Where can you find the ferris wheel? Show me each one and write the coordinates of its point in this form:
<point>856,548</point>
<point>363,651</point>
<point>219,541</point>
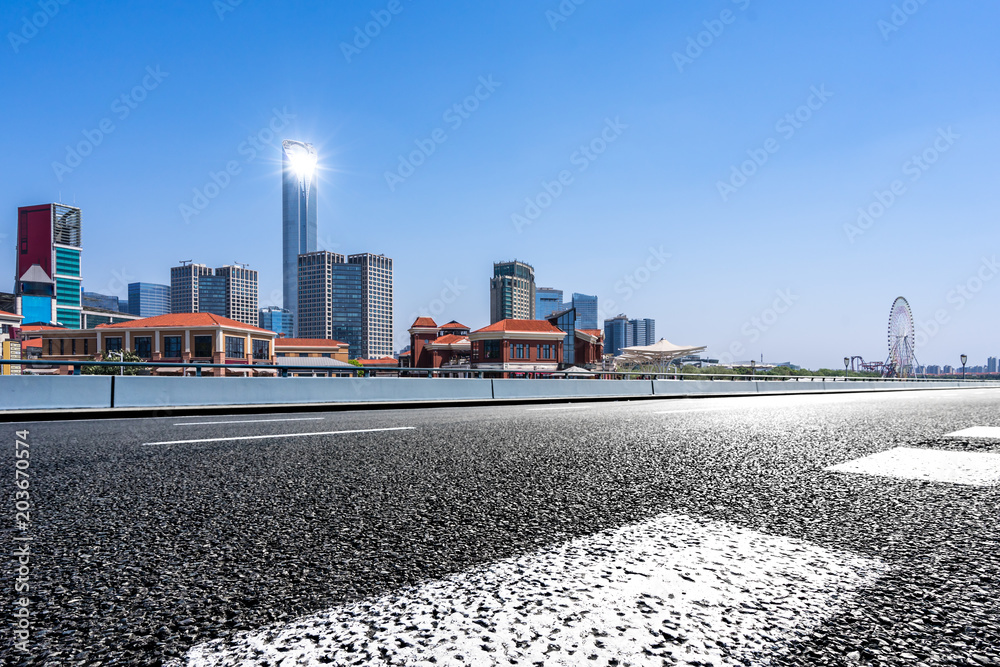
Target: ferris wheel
<point>902,354</point>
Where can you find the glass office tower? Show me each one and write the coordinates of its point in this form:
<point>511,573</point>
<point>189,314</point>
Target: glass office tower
<point>148,299</point>
<point>548,300</point>
<point>47,274</point>
<point>298,217</point>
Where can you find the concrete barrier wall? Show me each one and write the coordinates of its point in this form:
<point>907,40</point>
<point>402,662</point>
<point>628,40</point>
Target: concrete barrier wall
<point>570,388</point>
<point>52,392</point>
<point>95,392</point>
<point>144,392</point>
<point>703,387</point>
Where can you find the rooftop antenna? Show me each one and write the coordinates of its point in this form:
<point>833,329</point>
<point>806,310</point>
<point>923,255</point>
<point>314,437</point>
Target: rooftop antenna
<point>185,262</point>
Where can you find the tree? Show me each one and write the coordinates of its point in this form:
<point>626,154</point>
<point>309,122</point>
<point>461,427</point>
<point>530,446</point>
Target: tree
<point>113,370</point>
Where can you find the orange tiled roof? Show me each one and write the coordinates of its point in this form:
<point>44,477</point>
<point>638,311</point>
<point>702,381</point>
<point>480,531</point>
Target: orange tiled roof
<point>41,327</point>
<point>384,361</point>
<point>453,325</point>
<point>183,320</point>
<point>449,339</point>
<point>307,342</point>
<point>34,342</point>
<point>423,322</point>
<point>593,332</point>
<point>6,314</point>
<point>524,326</point>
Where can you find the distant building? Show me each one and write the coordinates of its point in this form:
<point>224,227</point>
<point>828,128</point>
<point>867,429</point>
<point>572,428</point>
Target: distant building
<point>276,319</point>
<point>240,293</point>
<point>376,304</point>
<point>229,291</point>
<point>148,299</point>
<point>512,292</point>
<point>548,300</point>
<point>184,287</point>
<point>47,272</point>
<point>991,365</point>
<point>947,370</point>
<point>933,369</point>
<point>298,217</point>
<point>91,318</point>
<point>643,331</point>
<point>103,301</point>
<point>586,310</point>
<point>310,348</point>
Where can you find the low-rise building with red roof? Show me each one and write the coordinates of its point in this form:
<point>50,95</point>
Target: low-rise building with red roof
<point>517,346</point>
<point>311,347</point>
<point>178,337</point>
<point>433,346</point>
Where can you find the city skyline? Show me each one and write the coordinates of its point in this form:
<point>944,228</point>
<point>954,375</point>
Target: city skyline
<point>826,152</point>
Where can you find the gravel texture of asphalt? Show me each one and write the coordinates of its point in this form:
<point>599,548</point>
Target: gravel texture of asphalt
<point>152,539</point>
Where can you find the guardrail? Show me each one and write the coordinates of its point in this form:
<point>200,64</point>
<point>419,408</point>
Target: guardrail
<point>283,370</point>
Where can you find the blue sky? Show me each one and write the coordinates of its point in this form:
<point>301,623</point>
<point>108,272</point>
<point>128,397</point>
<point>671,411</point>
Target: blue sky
<point>739,138</point>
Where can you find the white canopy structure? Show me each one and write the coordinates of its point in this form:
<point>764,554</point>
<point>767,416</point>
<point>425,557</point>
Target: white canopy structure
<point>658,355</point>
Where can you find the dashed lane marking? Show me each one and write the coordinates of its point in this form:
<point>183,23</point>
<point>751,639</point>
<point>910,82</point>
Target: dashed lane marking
<point>931,465</point>
<point>674,588</point>
<point>280,435</point>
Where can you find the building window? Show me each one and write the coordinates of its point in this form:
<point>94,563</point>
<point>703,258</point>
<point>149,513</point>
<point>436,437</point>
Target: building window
<point>520,351</point>
<point>261,349</point>
<point>113,344</point>
<point>50,347</point>
<point>511,351</point>
<point>203,346</point>
<point>62,347</point>
<point>144,347</point>
<point>73,347</point>
<point>491,349</point>
<point>234,347</point>
<point>172,347</point>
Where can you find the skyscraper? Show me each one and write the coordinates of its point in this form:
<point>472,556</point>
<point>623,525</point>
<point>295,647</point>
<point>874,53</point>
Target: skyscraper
<point>276,319</point>
<point>298,216</point>
<point>376,304</point>
<point>548,300</point>
<point>148,299</point>
<point>184,287</point>
<point>240,293</point>
<point>230,291</point>
<point>642,331</point>
<point>48,278</point>
<point>586,310</point>
<point>512,292</point>
<point>331,299</point>
<point>616,335</point>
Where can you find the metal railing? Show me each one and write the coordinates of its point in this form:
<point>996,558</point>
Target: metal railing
<point>76,368</point>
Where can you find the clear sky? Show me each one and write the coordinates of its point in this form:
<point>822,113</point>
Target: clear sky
<point>699,163</point>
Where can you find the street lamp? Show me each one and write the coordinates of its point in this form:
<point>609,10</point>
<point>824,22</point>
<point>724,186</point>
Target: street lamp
<point>965,358</point>
<point>753,366</point>
<point>847,364</point>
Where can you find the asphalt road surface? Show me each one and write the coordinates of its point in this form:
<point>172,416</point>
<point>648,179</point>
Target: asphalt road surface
<point>796,530</point>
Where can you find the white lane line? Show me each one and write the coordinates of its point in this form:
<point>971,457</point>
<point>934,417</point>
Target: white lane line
<point>562,407</point>
<point>976,432</point>
<point>253,421</point>
<point>280,435</point>
<point>932,465</point>
<point>675,588</point>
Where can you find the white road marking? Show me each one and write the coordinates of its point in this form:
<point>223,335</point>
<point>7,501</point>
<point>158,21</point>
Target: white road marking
<point>253,421</point>
<point>674,587</point>
<point>280,435</point>
<point>933,465</point>
<point>976,432</point>
<point>562,407</point>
